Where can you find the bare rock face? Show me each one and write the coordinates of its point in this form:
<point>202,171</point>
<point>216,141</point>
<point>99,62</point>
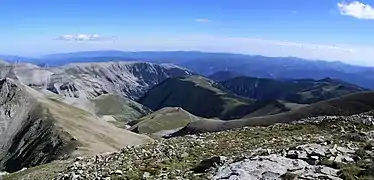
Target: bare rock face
<point>129,79</point>
<point>35,130</point>
<point>90,80</point>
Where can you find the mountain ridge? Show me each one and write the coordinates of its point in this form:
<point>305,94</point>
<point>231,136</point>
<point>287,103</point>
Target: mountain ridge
<point>202,97</point>
<point>207,63</point>
<point>37,130</point>
<point>128,79</point>
<point>343,106</point>
<point>302,91</point>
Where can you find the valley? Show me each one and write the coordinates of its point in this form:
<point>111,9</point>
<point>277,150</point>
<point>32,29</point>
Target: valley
<point>120,116</point>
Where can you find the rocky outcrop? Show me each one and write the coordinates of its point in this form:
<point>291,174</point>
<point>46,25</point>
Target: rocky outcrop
<point>35,130</point>
<point>274,167</point>
<point>304,162</point>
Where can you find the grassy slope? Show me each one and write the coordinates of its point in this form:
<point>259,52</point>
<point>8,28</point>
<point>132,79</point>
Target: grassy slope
<point>93,134</point>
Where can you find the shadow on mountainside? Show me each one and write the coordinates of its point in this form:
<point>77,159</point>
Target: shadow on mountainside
<point>343,106</point>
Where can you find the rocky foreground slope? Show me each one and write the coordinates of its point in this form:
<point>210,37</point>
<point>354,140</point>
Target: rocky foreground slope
<point>330,147</point>
<point>35,129</point>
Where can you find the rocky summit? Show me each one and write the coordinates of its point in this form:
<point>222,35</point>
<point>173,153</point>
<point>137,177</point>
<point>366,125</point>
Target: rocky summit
<point>328,147</point>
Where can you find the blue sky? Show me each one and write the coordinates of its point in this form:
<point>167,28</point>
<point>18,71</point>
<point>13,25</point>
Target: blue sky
<point>318,29</point>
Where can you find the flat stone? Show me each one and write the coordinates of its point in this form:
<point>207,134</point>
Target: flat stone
<point>146,175</point>
<point>326,170</point>
<point>333,151</point>
<point>314,149</point>
<point>345,150</point>
<point>314,157</point>
<point>338,158</point>
<point>185,154</point>
<point>260,168</point>
<point>119,172</point>
<point>348,159</point>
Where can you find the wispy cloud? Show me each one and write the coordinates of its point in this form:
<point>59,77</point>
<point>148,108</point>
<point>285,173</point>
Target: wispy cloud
<point>82,37</point>
<point>203,20</point>
<point>308,46</point>
<point>294,12</point>
<point>356,9</point>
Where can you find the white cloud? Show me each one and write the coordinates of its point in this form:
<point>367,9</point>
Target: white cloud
<point>203,20</point>
<point>82,37</point>
<point>356,9</point>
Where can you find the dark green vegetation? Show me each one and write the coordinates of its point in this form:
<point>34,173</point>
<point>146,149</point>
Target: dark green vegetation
<point>163,121</point>
<point>303,91</point>
<point>205,98</point>
<point>346,105</point>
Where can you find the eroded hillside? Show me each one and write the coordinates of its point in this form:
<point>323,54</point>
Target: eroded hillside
<point>36,130</point>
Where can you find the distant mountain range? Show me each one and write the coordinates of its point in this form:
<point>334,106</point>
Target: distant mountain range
<point>209,63</point>
<point>302,91</point>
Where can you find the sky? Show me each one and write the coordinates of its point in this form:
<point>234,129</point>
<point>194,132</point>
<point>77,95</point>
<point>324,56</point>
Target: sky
<point>315,29</point>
